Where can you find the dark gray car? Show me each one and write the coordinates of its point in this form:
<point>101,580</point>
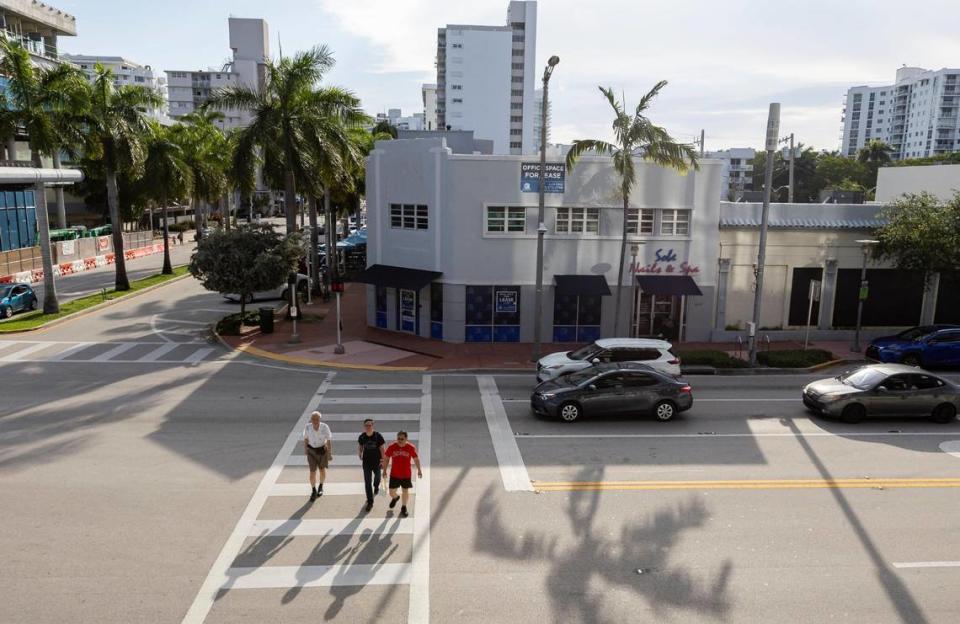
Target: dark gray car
<point>612,389</point>
<point>884,390</point>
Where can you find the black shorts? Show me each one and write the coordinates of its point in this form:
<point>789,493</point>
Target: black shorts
<point>400,483</point>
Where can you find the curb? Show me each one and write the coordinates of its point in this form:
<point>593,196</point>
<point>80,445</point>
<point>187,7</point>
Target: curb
<point>91,309</point>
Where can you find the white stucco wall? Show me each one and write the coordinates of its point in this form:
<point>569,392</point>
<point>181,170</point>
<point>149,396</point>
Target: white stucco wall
<point>940,180</point>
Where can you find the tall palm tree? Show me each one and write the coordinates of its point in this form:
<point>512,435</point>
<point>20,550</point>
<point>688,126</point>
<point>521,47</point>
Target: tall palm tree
<point>167,175</point>
<point>116,130</point>
<point>875,152</point>
<point>283,110</point>
<point>46,104</point>
<point>636,137</point>
<point>205,151</point>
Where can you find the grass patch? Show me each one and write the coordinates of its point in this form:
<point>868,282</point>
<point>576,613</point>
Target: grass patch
<point>716,359</point>
<point>32,320</point>
<point>795,358</point>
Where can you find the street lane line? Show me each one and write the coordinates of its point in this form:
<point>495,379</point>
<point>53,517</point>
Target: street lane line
<point>329,489</point>
<point>33,348</point>
<point>159,352</point>
<point>198,355</point>
<point>337,460</point>
<point>221,575</point>
<point>332,526</point>
<point>928,564</point>
<point>80,346</point>
<point>416,387</point>
<point>284,577</point>
<point>371,400</point>
<point>755,484</point>
<point>709,434</point>
<point>361,417</point>
<point>513,472</point>
<point>106,355</point>
<point>419,602</point>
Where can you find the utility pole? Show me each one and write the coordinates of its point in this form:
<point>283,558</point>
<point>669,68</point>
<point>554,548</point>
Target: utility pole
<point>702,136</point>
<point>773,128</point>
<point>792,158</point>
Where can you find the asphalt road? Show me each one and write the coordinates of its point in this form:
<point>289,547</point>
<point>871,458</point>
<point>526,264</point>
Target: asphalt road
<point>147,475</point>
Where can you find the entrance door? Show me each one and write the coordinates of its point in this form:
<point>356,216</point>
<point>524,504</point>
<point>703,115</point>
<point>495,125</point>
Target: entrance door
<point>408,311</point>
<point>657,316</point>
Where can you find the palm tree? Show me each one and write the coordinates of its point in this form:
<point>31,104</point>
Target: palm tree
<point>167,175</point>
<point>636,137</point>
<point>876,152</point>
<point>205,151</point>
<point>282,110</point>
<point>116,130</point>
<point>45,104</point>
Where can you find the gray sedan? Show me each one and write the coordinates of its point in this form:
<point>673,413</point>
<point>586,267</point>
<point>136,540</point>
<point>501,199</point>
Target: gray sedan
<point>609,389</point>
<point>884,390</point>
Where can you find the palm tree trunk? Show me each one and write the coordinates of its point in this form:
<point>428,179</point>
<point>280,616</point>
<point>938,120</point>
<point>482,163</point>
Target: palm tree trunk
<point>623,258</point>
<point>50,304</point>
<point>167,265</point>
<point>113,202</point>
<point>290,202</point>
<point>197,217</point>
<point>314,242</point>
<point>61,204</point>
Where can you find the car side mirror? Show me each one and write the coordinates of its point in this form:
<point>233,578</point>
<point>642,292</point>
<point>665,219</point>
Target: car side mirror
<point>592,388</point>
<point>882,389</point>
<point>595,361</point>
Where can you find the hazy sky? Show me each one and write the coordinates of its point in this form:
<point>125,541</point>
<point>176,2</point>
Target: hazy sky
<point>725,60</point>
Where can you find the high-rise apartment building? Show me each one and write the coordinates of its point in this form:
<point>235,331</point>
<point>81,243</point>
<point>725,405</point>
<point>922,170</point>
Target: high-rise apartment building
<point>486,77</point>
<point>917,115</point>
<point>395,117</point>
<point>125,72</point>
<point>429,94</point>
<point>737,172</point>
<point>250,43</point>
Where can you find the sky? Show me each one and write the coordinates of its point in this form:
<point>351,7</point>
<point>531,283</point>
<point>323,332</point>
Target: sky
<point>725,61</point>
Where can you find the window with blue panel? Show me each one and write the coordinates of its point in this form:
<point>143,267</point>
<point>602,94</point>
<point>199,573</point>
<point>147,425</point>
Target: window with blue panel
<point>436,310</point>
<point>576,319</point>
<point>493,314</point>
<point>479,314</point>
<point>381,298</point>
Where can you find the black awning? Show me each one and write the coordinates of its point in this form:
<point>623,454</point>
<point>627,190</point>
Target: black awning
<point>582,285</point>
<point>396,277</point>
<point>668,285</point>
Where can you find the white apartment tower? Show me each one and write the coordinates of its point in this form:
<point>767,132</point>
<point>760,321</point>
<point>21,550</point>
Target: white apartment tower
<point>917,115</point>
<point>429,94</point>
<point>737,172</point>
<point>486,78</point>
<point>250,43</point>
<point>125,72</point>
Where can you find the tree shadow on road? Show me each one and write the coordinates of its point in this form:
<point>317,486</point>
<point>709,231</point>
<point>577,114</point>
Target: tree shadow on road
<point>575,573</point>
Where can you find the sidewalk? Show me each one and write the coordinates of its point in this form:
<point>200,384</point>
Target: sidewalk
<point>377,349</point>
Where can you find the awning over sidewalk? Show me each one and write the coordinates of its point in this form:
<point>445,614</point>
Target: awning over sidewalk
<point>397,277</point>
<point>582,285</point>
<point>668,285</point>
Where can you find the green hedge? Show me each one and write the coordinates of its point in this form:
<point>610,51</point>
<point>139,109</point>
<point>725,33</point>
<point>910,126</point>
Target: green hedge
<point>716,359</point>
<point>796,358</point>
<point>183,226</point>
<point>230,325</point>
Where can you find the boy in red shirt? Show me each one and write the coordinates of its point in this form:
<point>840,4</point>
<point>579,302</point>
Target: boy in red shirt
<point>397,464</point>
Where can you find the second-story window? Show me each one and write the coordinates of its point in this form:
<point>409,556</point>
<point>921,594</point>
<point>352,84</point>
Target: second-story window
<point>639,221</point>
<point>578,220</point>
<point>506,219</point>
<point>409,216</point>
<point>675,222</point>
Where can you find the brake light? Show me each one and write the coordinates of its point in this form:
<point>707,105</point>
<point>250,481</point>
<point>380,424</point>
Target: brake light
<point>675,361</point>
<point>686,389</point>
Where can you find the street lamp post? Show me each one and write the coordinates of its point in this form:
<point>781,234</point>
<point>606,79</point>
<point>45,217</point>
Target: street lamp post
<point>790,179</point>
<point>862,294</point>
<point>773,128</point>
<point>541,227</point>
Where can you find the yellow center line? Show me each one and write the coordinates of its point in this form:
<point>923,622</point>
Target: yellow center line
<point>749,484</point>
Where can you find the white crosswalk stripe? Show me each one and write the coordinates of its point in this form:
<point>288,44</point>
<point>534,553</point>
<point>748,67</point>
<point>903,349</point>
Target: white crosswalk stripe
<point>105,352</point>
<point>273,577</point>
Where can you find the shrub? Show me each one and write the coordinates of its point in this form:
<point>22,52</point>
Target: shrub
<point>795,358</point>
<point>230,325</point>
<point>183,226</point>
<point>716,359</point>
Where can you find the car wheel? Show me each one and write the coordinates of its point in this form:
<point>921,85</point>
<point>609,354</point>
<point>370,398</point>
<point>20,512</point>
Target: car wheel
<point>33,304</point>
<point>569,412</point>
<point>6,312</point>
<point>945,413</point>
<point>285,295</point>
<point>911,359</point>
<point>853,413</point>
<point>664,411</point>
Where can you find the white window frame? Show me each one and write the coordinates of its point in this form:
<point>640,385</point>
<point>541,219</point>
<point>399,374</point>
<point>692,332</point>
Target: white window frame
<point>675,222</point>
<point>506,220</point>
<point>409,217</point>
<point>646,217</point>
<point>577,221</point>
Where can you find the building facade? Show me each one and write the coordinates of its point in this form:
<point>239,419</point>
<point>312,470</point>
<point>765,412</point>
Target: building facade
<point>429,94</point>
<point>125,72</point>
<point>917,115</point>
<point>189,90</point>
<point>942,181</point>
<point>486,78</point>
<point>395,117</point>
<point>37,26</point>
<point>737,173</point>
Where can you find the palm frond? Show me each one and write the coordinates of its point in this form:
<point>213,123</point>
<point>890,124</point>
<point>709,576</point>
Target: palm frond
<point>582,146</point>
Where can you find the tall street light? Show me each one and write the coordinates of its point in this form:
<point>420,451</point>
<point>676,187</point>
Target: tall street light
<point>865,245</point>
<point>773,130</point>
<point>541,226</point>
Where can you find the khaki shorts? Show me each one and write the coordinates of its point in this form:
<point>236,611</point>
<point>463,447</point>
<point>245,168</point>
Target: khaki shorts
<point>317,457</point>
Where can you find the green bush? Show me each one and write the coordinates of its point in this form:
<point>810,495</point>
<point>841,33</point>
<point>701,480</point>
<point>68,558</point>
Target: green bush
<point>183,226</point>
<point>230,325</point>
<point>796,358</point>
<point>716,359</point>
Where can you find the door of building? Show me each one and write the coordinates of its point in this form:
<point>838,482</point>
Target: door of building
<point>408,311</point>
<point>657,316</point>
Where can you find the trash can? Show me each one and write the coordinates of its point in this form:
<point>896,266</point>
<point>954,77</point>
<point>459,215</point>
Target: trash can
<point>266,320</point>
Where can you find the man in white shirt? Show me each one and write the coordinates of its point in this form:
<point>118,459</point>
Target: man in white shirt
<point>317,446</point>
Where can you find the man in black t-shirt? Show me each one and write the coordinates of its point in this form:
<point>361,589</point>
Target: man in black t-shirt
<point>370,450</point>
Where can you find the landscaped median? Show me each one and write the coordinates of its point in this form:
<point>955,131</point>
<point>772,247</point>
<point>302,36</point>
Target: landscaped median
<point>709,361</point>
<point>37,319</point>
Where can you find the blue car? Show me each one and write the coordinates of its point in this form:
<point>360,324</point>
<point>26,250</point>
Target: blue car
<point>16,298</point>
<point>926,346</point>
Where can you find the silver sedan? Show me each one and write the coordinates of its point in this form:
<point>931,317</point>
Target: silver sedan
<point>884,390</point>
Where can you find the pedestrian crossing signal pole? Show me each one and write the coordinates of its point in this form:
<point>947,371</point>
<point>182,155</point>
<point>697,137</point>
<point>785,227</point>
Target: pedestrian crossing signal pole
<point>337,286</point>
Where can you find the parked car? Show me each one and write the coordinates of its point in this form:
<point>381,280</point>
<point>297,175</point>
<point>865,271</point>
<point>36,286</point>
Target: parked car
<point>655,353</point>
<point>884,390</point>
<point>280,292</point>
<point>616,388</point>
<point>16,298</point>
<point>927,345</point>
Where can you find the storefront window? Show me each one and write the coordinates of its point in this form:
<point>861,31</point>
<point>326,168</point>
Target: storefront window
<point>436,310</point>
<point>381,297</point>
<point>493,314</point>
<point>576,319</point>
<point>18,220</point>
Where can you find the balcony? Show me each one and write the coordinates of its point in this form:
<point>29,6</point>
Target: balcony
<point>36,47</point>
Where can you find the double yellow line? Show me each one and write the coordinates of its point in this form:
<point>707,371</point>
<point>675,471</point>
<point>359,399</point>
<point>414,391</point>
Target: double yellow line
<point>747,484</point>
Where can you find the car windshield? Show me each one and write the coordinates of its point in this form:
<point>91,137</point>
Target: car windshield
<point>583,353</point>
<point>862,378</point>
<point>5,291</point>
<point>580,377</point>
<point>914,333</point>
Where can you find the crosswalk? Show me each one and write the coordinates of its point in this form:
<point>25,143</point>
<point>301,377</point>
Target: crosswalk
<point>348,549</point>
<point>107,352</point>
